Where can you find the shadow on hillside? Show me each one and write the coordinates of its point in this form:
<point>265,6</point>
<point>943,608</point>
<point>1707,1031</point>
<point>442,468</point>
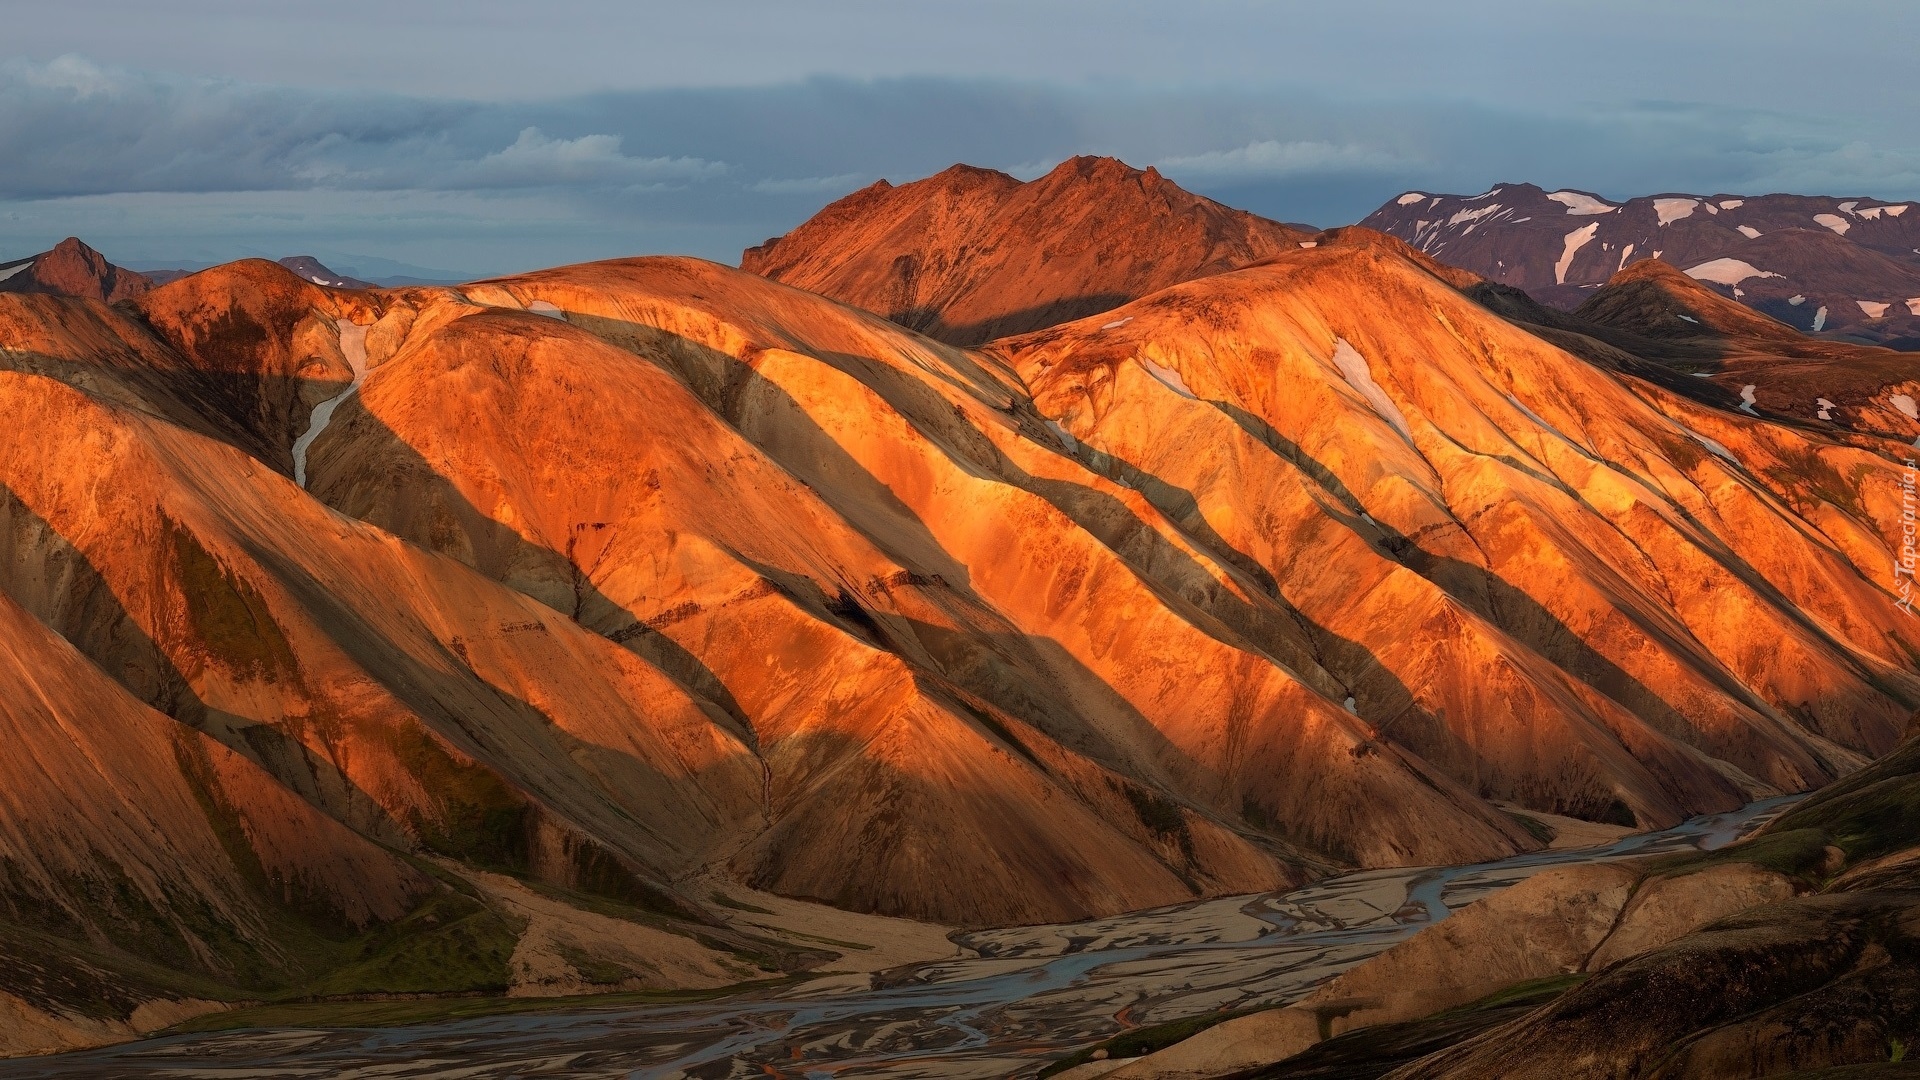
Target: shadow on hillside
<point>1519,614</point>
<point>930,321</point>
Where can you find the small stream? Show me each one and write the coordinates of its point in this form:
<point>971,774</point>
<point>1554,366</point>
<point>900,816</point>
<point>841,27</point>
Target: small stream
<point>353,346</point>
<point>1024,996</point>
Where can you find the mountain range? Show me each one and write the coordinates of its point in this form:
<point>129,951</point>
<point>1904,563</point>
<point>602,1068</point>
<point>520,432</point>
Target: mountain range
<point>342,620</point>
<point>1843,267</point>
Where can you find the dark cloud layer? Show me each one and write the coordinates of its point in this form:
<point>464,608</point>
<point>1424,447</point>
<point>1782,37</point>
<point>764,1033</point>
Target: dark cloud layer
<point>162,167</point>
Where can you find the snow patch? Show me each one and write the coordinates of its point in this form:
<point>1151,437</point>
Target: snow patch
<point>1906,404</point>
<point>1820,320</point>
<point>547,308</point>
<point>1826,408</point>
<point>1727,272</point>
<point>1309,243</point>
<point>1732,204</point>
<point>1168,377</point>
<point>1625,254</point>
<point>1749,232</point>
<point>1711,209</point>
<point>1672,210</point>
<point>1848,206</point>
<point>1354,369</point>
<point>1717,449</point>
<point>1486,194</point>
<point>1913,305</point>
<point>1691,319</point>
<point>1796,300</point>
<point>1542,421</point>
<point>1833,221</point>
<point>12,270</point>
<point>1117,323</point>
<point>1871,213</point>
<point>1576,240</point>
<point>1065,436</point>
<point>353,345</point>
<point>1350,706</point>
<point>1473,215</point>
<point>1873,310</point>
<point>1747,399</point>
<point>1410,198</point>
<point>1578,202</point>
<point>1895,211</point>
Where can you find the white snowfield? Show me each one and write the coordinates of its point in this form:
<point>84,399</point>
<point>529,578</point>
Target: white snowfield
<point>12,270</point>
<point>1116,324</point>
<point>1871,213</point>
<point>548,308</point>
<point>1576,240</point>
<point>1895,211</point>
<point>1913,305</point>
<point>1749,232</point>
<point>1410,198</point>
<point>1168,377</point>
<point>1747,399</point>
<point>1873,310</point>
<point>1826,408</point>
<point>1835,222</point>
<point>1732,204</point>
<point>1820,320</point>
<point>1728,272</point>
<point>1907,406</point>
<point>1672,210</point>
<point>1579,202</point>
<point>1474,215</point>
<point>1718,449</point>
<point>1556,432</point>
<point>1625,254</point>
<point>1796,300</point>
<point>353,345</point>
<point>1354,369</point>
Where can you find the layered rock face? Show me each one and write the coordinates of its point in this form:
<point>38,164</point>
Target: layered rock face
<point>1844,267</point>
<point>971,254</point>
<point>617,576</point>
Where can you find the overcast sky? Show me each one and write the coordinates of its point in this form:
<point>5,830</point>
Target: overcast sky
<point>480,137</point>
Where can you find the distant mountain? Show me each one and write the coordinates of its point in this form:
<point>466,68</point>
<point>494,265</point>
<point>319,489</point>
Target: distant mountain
<point>1840,267</point>
<point>72,269</point>
<point>312,269</point>
<point>973,254</point>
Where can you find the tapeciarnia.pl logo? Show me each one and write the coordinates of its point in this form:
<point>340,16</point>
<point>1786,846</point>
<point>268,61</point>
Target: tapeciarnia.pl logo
<point>1903,569</point>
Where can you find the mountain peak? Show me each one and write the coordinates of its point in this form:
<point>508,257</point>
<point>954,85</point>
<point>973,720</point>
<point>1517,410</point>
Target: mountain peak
<point>71,268</point>
<point>971,254</point>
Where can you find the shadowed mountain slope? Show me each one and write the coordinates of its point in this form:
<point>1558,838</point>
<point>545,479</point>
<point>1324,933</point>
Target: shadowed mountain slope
<point>1845,267</point>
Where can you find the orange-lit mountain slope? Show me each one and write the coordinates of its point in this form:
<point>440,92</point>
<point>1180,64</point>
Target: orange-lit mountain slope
<point>622,575</point>
<point>971,254</point>
<point>72,268</point>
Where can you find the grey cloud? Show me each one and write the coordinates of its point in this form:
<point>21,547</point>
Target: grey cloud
<point>168,163</point>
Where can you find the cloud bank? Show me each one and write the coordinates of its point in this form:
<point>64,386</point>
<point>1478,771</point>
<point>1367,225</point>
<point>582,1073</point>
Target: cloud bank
<point>160,168</point>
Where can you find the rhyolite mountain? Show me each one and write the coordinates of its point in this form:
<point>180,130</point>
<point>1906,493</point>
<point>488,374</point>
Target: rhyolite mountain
<point>637,580</point>
<point>312,269</point>
<point>972,254</point>
<point>1840,267</point>
<point>72,269</point>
